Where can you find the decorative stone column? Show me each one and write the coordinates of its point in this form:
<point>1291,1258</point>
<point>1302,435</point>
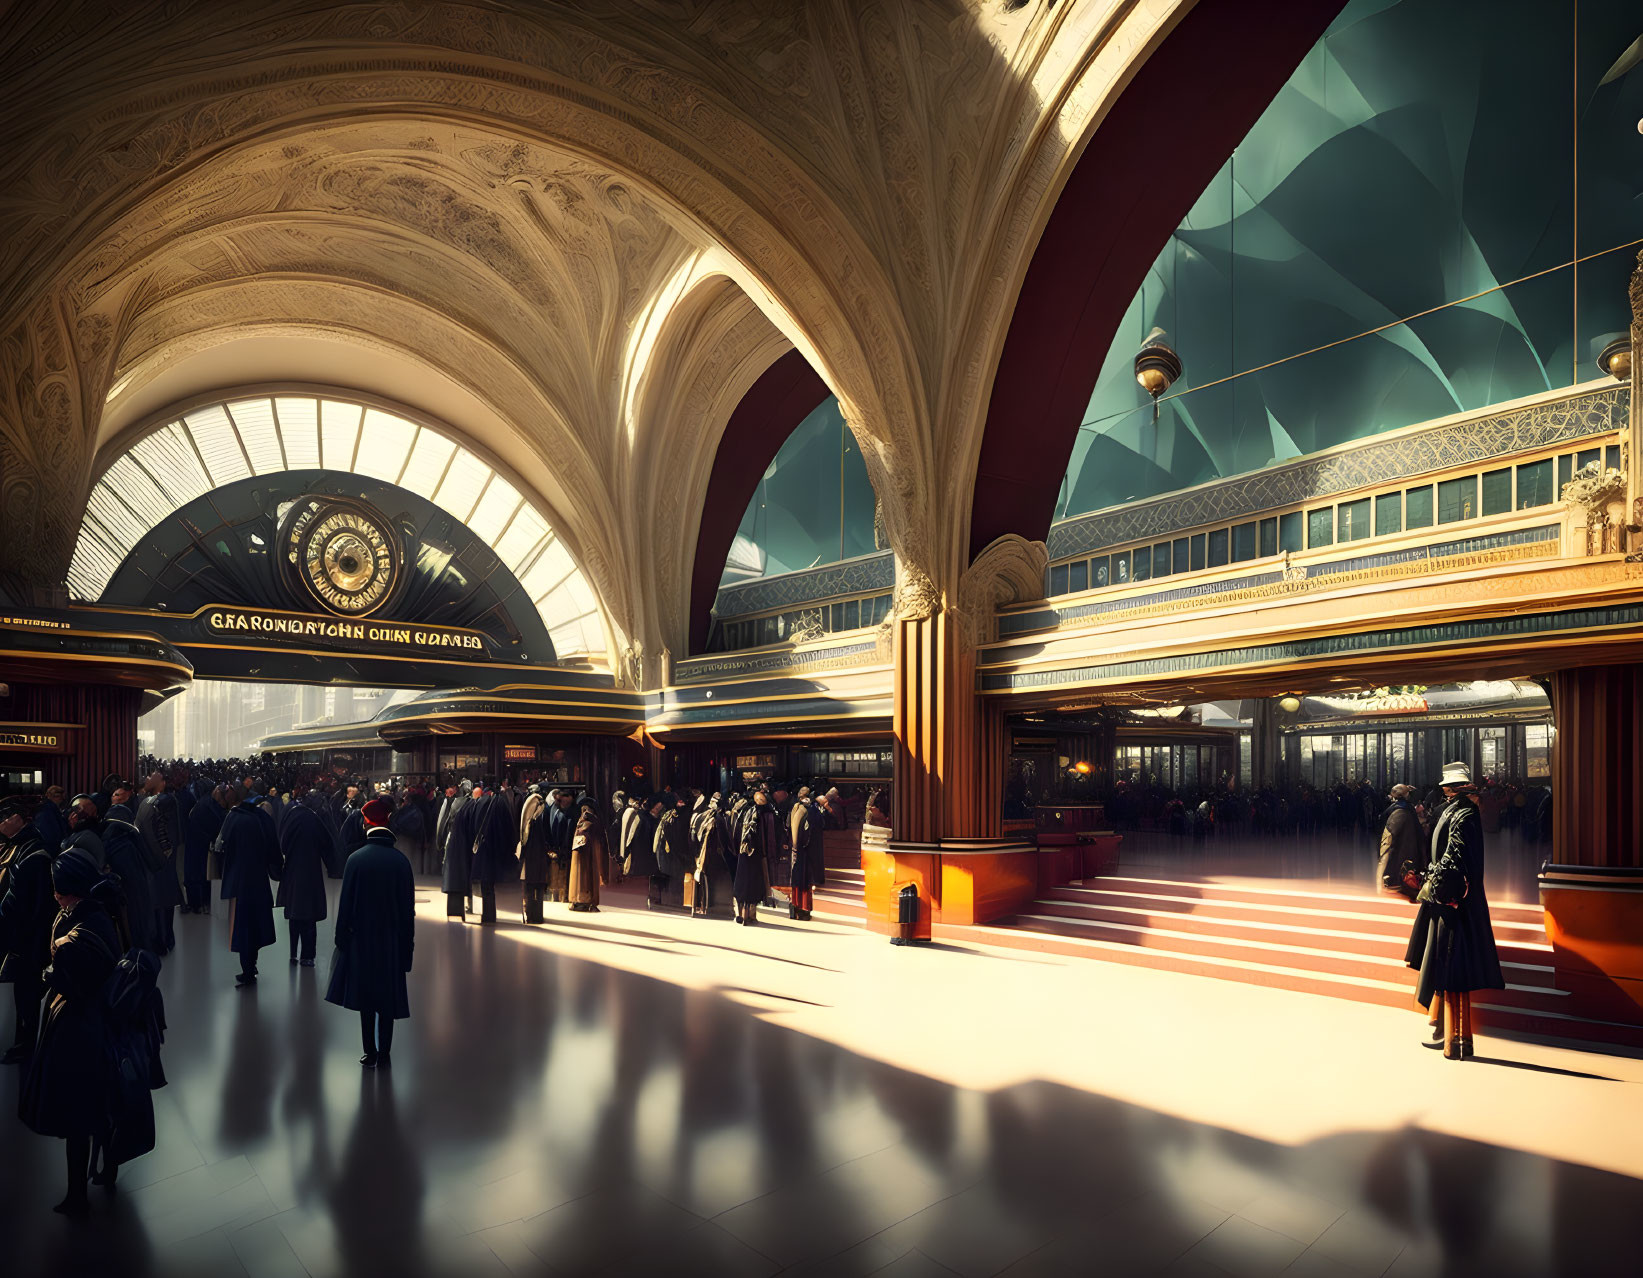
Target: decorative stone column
<point>949,751</point>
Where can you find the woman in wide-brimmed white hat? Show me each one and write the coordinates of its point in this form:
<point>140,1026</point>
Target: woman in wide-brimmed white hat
<point>1453,943</point>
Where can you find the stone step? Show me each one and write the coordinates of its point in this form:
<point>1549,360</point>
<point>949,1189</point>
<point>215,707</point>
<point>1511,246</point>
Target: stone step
<point>1364,913</point>
<point>1314,953</point>
<point>1329,932</point>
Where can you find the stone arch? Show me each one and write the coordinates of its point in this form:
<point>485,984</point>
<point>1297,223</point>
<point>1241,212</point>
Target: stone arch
<point>1180,115</point>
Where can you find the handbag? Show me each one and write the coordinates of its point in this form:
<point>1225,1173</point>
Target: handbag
<point>1445,885</point>
<point>1404,879</point>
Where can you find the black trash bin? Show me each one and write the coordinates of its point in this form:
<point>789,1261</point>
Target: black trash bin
<point>906,914</point>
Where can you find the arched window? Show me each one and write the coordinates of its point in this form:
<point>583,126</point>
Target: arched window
<point>217,443</point>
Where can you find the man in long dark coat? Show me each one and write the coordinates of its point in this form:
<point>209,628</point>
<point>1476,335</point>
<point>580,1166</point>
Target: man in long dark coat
<point>495,838</point>
<point>613,836</point>
<point>26,913</point>
<point>199,832</point>
<point>159,821</point>
<point>671,844</point>
<point>66,1091</point>
<point>455,835</point>
<point>806,864</point>
<point>779,866</point>
<point>638,850</point>
<point>714,871</point>
<point>376,933</point>
<point>250,856</point>
<point>304,842</point>
<point>128,857</point>
<point>1453,943</point>
<point>535,864</point>
<point>51,821</point>
<point>561,833</point>
<point>758,842</point>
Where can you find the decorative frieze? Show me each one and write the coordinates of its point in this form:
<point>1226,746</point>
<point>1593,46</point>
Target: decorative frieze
<point>1375,461</point>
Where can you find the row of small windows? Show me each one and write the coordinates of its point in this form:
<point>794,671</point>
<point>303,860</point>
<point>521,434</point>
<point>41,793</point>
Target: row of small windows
<point>1492,492</point>
<point>801,623</point>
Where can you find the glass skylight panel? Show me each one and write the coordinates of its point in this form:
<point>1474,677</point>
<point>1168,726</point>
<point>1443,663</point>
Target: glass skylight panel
<point>131,485</point>
<point>570,639</point>
<point>93,565</point>
<point>429,457</point>
<point>255,420</point>
<point>218,445</point>
<point>339,433</point>
<point>581,595</point>
<point>122,526</point>
<point>548,572</point>
<point>522,537</point>
<point>170,458</point>
<point>495,509</point>
<point>384,445</point>
<point>299,427</point>
<point>463,483</point>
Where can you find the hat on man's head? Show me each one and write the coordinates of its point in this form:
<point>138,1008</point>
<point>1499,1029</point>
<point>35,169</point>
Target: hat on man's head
<point>74,873</point>
<point>377,812</point>
<point>1456,774</point>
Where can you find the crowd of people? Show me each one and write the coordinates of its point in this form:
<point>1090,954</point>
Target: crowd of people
<point>1350,808</point>
<point>90,887</point>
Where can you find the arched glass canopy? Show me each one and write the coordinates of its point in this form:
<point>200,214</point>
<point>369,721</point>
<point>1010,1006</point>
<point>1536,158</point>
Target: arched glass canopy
<point>219,443</point>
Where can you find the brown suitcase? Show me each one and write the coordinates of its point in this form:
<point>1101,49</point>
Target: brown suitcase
<point>690,891</point>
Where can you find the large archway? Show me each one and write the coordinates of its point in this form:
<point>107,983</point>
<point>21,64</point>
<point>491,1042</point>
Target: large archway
<point>1187,107</point>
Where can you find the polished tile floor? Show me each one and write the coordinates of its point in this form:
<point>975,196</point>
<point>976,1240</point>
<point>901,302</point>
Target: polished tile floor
<point>633,1093</point>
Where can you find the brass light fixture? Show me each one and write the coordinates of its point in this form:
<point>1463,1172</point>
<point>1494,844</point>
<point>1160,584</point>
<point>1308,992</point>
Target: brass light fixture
<point>1157,367</point>
<point>1289,703</point>
<point>1615,359</point>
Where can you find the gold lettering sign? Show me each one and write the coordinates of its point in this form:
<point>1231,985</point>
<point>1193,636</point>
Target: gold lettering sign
<point>25,740</point>
<point>243,621</point>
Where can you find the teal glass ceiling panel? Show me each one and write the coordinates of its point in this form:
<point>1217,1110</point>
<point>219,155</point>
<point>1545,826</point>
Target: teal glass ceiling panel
<point>813,506</point>
<point>1395,240</point>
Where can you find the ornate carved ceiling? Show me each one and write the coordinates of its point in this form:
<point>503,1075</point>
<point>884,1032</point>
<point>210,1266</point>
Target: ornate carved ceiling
<point>602,220</point>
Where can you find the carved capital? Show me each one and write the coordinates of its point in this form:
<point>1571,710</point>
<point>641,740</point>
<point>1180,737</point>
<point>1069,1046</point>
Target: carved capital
<point>917,597</point>
<point>1009,570</point>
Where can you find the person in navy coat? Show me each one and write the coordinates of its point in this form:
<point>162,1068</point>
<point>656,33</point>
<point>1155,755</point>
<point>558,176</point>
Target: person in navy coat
<point>250,858</point>
<point>376,932</point>
<point>199,832</point>
<point>305,843</point>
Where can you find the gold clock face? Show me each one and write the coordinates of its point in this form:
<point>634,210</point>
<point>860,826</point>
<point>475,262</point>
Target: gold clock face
<point>345,556</point>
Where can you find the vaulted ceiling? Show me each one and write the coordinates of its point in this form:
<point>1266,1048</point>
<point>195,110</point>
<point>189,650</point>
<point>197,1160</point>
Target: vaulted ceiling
<point>578,231</point>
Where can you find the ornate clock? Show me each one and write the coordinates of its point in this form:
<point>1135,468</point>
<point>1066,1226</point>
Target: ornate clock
<point>341,554</point>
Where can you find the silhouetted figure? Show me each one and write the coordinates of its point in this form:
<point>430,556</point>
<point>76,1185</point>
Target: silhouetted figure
<point>159,821</point>
<point>807,862</point>
<point>376,933</point>
<point>66,1091</point>
<point>534,863</point>
<point>250,856</point>
<point>304,842</point>
<point>758,842</point>
<point>26,913</point>
<point>204,823</point>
